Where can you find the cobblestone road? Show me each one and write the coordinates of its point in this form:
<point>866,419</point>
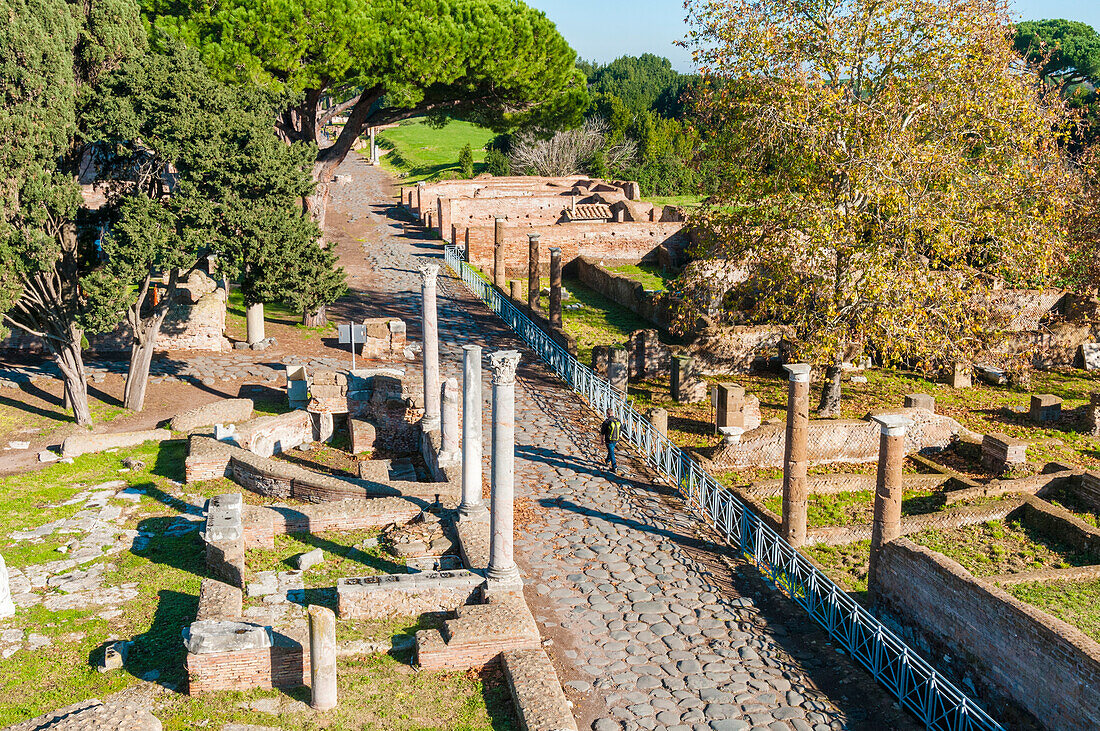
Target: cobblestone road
<point>653,625</point>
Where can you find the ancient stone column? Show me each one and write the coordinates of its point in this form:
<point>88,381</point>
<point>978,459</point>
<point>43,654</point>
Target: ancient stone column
<point>466,242</point>
<point>618,368</point>
<point>322,657</point>
<point>502,565</point>
<point>555,287</point>
<point>533,271</point>
<point>430,321</point>
<point>659,419</point>
<point>471,506</point>
<point>454,235</point>
<point>888,487</point>
<point>7,608</point>
<point>515,291</point>
<point>499,275</point>
<point>254,323</point>
<point>795,489</point>
<point>1092,413</point>
<point>448,449</point>
<point>730,406</point>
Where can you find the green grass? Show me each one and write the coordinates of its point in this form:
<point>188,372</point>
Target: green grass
<point>599,321</point>
<point>847,508</point>
<point>274,312</point>
<point>1002,547</point>
<point>650,276</point>
<point>419,152</point>
<point>342,558</point>
<point>1077,603</point>
<point>846,565</point>
<point>687,201</point>
<point>377,691</point>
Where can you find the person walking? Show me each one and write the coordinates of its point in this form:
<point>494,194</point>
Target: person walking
<point>611,430</point>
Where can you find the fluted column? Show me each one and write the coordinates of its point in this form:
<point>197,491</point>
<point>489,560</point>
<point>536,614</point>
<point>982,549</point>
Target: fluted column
<point>502,565</point>
<point>472,505</point>
<point>430,320</point>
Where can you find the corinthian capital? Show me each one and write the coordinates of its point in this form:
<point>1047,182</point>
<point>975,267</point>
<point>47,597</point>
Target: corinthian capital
<point>503,364</point>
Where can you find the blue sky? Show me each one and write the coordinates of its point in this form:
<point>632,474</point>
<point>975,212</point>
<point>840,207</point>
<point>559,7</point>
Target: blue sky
<point>606,29</point>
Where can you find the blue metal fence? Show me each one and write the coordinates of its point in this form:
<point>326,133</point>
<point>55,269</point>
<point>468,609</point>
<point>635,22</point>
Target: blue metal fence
<point>938,703</point>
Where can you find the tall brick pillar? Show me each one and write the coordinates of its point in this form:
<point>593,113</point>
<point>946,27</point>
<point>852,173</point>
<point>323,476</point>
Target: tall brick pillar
<point>795,489</point>
<point>555,287</point>
<point>888,487</point>
<point>499,275</point>
<point>466,244</point>
<point>533,271</point>
<point>454,235</point>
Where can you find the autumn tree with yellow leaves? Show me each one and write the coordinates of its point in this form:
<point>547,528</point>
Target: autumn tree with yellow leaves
<point>880,166</point>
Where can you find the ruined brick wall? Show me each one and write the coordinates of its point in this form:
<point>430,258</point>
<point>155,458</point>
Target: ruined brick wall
<point>271,667</point>
<point>539,209</point>
<point>1058,524</point>
<point>1016,651</point>
<point>656,307</point>
<point>613,243</point>
<point>397,595</point>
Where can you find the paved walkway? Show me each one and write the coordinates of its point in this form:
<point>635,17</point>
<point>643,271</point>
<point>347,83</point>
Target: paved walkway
<point>653,624</point>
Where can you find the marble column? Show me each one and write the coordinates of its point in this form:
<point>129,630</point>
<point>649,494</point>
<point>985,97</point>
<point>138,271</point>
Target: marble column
<point>555,287</point>
<point>322,657</point>
<point>7,608</point>
<point>254,323</point>
<point>499,273</point>
<point>430,322</point>
<point>448,450</point>
<point>889,486</point>
<point>502,565</point>
<point>471,506</point>
<point>795,488</point>
<point>533,271</point>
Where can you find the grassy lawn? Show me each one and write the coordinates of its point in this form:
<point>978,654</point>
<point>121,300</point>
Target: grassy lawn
<point>342,558</point>
<point>599,321</point>
<point>274,312</point>
<point>419,152</point>
<point>651,276</point>
<point>687,201</point>
<point>162,584</point>
<point>1002,547</point>
<point>1077,603</point>
<point>849,508</point>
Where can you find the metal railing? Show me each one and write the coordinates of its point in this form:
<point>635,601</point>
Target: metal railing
<point>916,685</point>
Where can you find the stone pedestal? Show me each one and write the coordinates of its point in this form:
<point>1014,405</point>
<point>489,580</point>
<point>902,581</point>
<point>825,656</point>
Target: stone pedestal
<point>322,657</point>
<point>795,463</point>
<point>1092,415</point>
<point>533,271</point>
<point>659,419</point>
<point>499,275</point>
<point>961,376</point>
<point>502,565</point>
<point>471,506</point>
<point>686,386</point>
<point>618,368</point>
<point>7,608</point>
<point>430,320</point>
<point>254,323</point>
<point>889,487</point>
<point>649,357</point>
<point>1045,408</point>
<point>448,450</point>
<point>555,287</point>
<point>729,407</point>
<point>1000,451</point>
<point>920,401</point>
<point>599,359</point>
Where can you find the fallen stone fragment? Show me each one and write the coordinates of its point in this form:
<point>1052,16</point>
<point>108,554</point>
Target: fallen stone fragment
<point>47,456</point>
<point>114,656</point>
<point>309,559</point>
<point>75,446</point>
<point>226,411</point>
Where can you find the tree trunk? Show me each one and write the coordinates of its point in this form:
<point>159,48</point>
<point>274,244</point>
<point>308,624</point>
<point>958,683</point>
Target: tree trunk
<point>829,406</point>
<point>71,363</point>
<point>317,318</point>
<point>137,378</point>
<point>144,342</point>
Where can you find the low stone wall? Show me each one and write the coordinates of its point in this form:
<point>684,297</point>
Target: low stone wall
<point>836,483</point>
<point>1058,524</point>
<point>79,444</point>
<point>536,691</point>
<point>1014,651</point>
<point>283,665</point>
<point>224,536</point>
<point>223,411</point>
<point>477,635</point>
<point>838,440</point>
<point>219,600</point>
<point>941,519</point>
<point>1089,490</point>
<point>656,307</point>
<point>404,595</point>
<point>262,524</point>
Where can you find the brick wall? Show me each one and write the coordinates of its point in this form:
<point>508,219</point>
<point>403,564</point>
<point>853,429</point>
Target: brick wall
<point>1060,525</point>
<point>539,209</point>
<point>619,243</point>
<point>403,595</point>
<point>1089,491</point>
<point>1017,652</point>
<point>656,307</point>
<point>270,667</point>
<point>262,524</point>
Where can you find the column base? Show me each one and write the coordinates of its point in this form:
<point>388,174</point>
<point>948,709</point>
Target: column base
<point>477,512</point>
<point>502,587</point>
<point>504,578</point>
<point>430,423</point>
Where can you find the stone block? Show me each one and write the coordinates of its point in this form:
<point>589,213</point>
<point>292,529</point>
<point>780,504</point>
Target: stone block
<point>405,594</point>
<point>659,419</point>
<point>599,359</point>
<point>992,376</point>
<point>618,368</point>
<point>225,411</point>
<point>536,691</point>
<point>114,656</point>
<point>1092,415</point>
<point>729,406</point>
<point>219,600</point>
<point>77,445</point>
<point>960,376</point>
<point>309,559</point>
<point>686,386</point>
<point>920,401</point>
<point>1045,408</point>
<point>1000,450</point>
<point>1089,354</point>
<point>364,435</point>
<point>270,435</point>
<point>214,636</point>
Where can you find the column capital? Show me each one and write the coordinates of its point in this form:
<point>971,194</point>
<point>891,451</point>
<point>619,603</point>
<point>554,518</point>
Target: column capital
<point>503,363</point>
<point>534,237</point>
<point>555,251</point>
<point>472,349</point>
<point>893,425</point>
<point>798,372</point>
<point>428,273</point>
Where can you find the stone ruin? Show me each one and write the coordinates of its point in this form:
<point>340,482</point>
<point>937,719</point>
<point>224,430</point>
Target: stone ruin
<point>595,218</point>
